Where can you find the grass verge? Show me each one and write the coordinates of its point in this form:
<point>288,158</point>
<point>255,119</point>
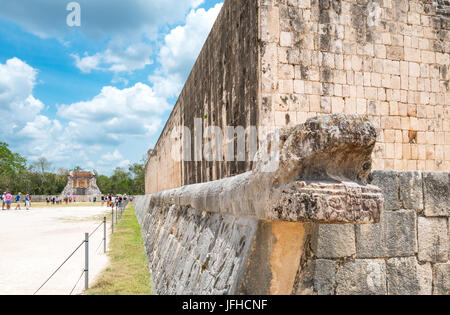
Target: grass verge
<point>127,272</point>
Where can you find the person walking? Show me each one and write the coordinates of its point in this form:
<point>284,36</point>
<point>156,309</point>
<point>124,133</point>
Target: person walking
<point>18,201</point>
<point>8,201</point>
<point>4,201</point>
<point>27,202</point>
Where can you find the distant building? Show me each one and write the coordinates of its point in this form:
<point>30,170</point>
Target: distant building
<point>81,183</point>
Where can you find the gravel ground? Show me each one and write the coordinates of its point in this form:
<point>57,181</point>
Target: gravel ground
<point>34,243</point>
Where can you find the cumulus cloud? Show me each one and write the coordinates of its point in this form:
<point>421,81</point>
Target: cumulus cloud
<point>116,59</point>
<point>81,130</point>
<point>17,103</point>
<point>180,50</point>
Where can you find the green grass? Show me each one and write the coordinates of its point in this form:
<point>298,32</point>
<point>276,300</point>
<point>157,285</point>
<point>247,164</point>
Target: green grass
<point>127,272</point>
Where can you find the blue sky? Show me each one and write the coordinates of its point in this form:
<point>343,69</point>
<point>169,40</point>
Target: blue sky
<point>97,95</point>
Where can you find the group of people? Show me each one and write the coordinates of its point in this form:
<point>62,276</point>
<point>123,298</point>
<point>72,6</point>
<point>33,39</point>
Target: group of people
<point>57,200</point>
<point>7,200</point>
<point>114,201</point>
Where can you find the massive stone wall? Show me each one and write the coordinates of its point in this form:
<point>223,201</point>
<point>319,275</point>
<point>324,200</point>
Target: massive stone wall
<point>387,59</point>
<point>199,252</point>
<point>311,224</point>
<point>222,90</point>
<point>280,62</point>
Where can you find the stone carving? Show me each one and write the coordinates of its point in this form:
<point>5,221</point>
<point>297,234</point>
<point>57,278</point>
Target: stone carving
<point>320,178</point>
<point>81,184</point>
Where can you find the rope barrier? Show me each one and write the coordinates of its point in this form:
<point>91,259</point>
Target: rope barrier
<point>82,243</point>
<point>96,229</point>
<point>122,210</point>
<point>77,282</point>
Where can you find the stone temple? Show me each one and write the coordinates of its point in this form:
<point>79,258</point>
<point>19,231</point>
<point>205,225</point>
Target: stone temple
<point>360,201</point>
<point>81,183</point>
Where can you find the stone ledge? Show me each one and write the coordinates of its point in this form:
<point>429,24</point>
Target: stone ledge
<point>320,174</point>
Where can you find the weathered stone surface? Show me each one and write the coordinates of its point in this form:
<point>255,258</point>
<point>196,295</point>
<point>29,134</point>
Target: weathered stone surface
<point>437,193</point>
<point>395,235</point>
<point>318,178</point>
<point>411,190</point>
<point>389,183</point>
<point>362,277</point>
<point>327,202</point>
<point>334,241</point>
<point>405,276</point>
<point>324,276</point>
<point>441,279</point>
<point>433,239</point>
<point>190,252</point>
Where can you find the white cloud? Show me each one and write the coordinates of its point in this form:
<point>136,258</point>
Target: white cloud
<point>17,104</point>
<point>116,59</point>
<point>83,129</point>
<point>180,50</point>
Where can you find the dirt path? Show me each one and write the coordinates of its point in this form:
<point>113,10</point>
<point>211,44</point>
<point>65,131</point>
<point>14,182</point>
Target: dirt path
<point>34,243</point>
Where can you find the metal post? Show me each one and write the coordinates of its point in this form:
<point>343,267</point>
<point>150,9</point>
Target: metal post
<point>86,261</point>
<point>104,234</point>
<point>112,220</point>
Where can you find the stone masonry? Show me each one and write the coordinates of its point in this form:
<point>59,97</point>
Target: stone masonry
<point>346,87</point>
<point>279,62</point>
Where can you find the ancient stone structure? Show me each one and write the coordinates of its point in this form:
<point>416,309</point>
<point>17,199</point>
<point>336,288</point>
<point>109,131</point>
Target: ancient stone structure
<point>312,225</point>
<point>80,183</point>
<point>280,62</point>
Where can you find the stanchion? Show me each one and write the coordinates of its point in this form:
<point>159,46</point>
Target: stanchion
<point>86,262</point>
<point>112,220</point>
<point>104,234</point>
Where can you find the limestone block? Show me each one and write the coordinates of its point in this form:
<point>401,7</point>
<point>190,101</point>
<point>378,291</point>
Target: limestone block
<point>405,276</point>
<point>411,190</point>
<point>441,279</point>
<point>437,193</point>
<point>362,277</point>
<point>334,241</point>
<point>433,239</point>
<point>389,183</point>
<point>324,276</point>
<point>395,235</point>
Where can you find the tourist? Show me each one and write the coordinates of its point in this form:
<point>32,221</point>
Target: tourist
<point>18,201</point>
<point>8,201</point>
<point>27,202</point>
<point>103,200</point>
<point>4,201</point>
<point>48,200</point>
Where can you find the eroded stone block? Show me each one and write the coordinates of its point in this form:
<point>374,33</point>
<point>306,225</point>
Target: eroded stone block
<point>441,279</point>
<point>411,190</point>
<point>395,235</point>
<point>334,241</point>
<point>389,183</point>
<point>433,239</point>
<point>405,276</point>
<point>362,277</point>
<point>437,194</point>
<point>324,276</point>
